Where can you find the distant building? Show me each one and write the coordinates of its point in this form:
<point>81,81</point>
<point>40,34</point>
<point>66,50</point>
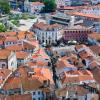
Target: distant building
<point>95,2</point>
<point>77,33</point>
<point>46,33</point>
<point>90,16</point>
<point>8,60</point>
<point>22,57</point>
<point>68,2</point>
<point>33,7</point>
<point>17,4</point>
<point>60,17</point>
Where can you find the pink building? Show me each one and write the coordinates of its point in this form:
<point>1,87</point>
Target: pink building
<point>77,33</point>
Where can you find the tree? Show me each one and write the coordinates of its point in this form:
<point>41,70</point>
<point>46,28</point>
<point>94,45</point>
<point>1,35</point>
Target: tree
<point>2,27</point>
<point>4,6</point>
<point>50,6</point>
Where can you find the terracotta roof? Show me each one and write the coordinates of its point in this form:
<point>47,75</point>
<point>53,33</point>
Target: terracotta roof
<point>21,55</point>
<point>80,46</point>
<point>4,54</point>
<point>76,89</point>
<point>95,36</point>
<point>15,48</point>
<point>94,63</point>
<point>10,33</point>
<point>85,54</point>
<point>44,26</point>
<point>84,51</point>
<point>85,15</point>
<point>20,77</point>
<point>3,74</point>
<point>11,39</point>
<point>1,97</point>
<point>24,46</point>
<point>96,74</point>
<point>95,49</point>
<point>38,64</point>
<point>29,82</point>
<point>77,27</point>
<point>40,54</point>
<point>95,97</point>
<point>67,8</point>
<point>20,97</point>
<point>29,45</point>
<point>1,42</point>
<point>64,64</point>
<point>37,3</point>
<point>45,72</point>
<point>23,34</point>
<point>76,77</point>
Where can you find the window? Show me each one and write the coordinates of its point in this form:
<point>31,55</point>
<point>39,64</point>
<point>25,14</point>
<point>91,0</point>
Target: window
<point>12,63</point>
<point>38,92</point>
<point>39,98</point>
<point>3,65</point>
<point>33,93</point>
<point>34,99</point>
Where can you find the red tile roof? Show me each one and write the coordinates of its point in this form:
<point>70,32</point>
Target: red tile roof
<point>22,55</point>
<point>20,97</point>
<point>29,82</point>
<point>11,39</point>
<point>4,74</point>
<point>37,3</point>
<point>76,77</point>
<point>64,64</point>
<point>85,15</point>
<point>95,36</point>
<point>4,54</point>
<point>40,54</point>
<point>95,49</point>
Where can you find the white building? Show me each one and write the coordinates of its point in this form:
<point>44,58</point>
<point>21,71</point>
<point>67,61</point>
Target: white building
<point>46,33</point>
<point>92,10</point>
<point>8,60</point>
<point>95,1</point>
<point>68,2</point>
<point>33,7</point>
<point>63,3</point>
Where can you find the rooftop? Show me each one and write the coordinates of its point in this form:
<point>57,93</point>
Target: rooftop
<point>19,97</point>
<point>21,55</point>
<point>95,49</point>
<point>95,36</point>
<point>4,54</point>
<point>37,3</point>
<point>85,15</point>
<point>44,26</point>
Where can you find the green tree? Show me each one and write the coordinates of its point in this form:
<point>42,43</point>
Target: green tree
<point>50,6</point>
<point>2,27</point>
<point>4,6</point>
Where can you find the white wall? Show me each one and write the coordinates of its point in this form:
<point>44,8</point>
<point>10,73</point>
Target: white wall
<point>12,61</point>
<point>45,36</point>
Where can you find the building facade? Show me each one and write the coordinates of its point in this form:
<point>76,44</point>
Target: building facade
<point>8,60</point>
<point>33,7</point>
<point>76,34</point>
<point>46,33</point>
